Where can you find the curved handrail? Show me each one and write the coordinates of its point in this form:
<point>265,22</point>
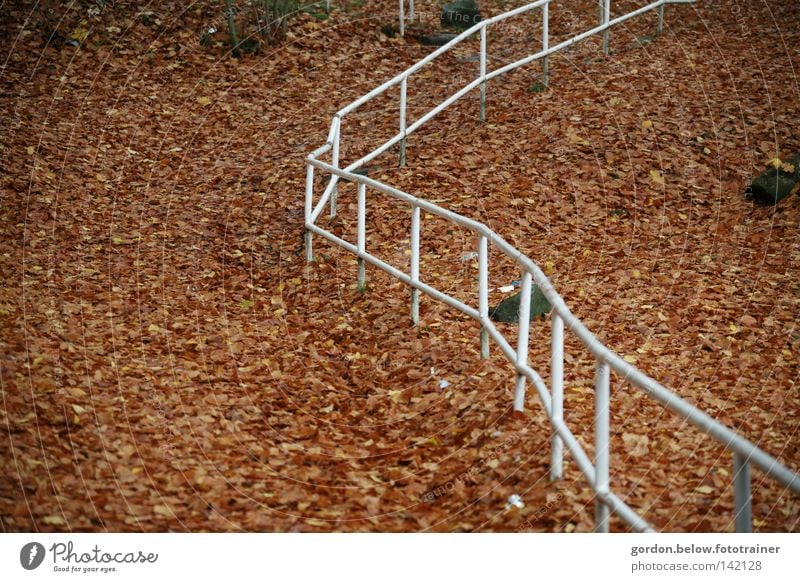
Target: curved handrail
<point>744,451</point>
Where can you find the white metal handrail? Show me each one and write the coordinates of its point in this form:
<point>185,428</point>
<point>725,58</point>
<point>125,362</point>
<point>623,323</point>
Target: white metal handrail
<point>597,475</point>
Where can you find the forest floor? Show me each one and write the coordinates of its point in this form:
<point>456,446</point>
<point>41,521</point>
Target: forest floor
<point>170,362</point>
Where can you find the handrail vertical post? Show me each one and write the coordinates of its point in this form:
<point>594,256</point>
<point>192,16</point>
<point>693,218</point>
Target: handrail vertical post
<point>545,44</point>
<point>403,87</point>
<point>362,236</point>
<point>328,6</point>
<point>660,26</point>
<point>557,393</point>
<point>335,164</point>
<point>483,74</point>
<point>606,18</point>
<point>522,340</point>
<point>411,10</point>
<point>483,291</point>
<point>415,219</point>
<point>742,500</point>
<point>601,422</point>
<point>308,210</point>
<point>402,17</point>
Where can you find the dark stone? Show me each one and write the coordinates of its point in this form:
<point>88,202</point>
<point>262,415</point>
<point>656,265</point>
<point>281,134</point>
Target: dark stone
<point>775,184</point>
<point>461,14</point>
<point>389,31</point>
<point>439,39</point>
<point>507,311</point>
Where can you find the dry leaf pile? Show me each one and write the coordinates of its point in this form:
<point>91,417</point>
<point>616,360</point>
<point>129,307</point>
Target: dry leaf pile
<point>170,362</point>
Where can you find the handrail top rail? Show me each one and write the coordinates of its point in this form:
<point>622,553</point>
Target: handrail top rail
<point>719,432</point>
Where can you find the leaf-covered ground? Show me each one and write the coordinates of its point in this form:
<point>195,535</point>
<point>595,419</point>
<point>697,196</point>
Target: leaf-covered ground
<point>170,362</point>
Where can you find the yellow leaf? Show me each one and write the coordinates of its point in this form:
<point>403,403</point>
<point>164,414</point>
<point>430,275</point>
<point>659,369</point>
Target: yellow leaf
<point>162,510</point>
<point>788,168</point>
<point>204,101</point>
<point>657,177</point>
<point>775,162</point>
<point>493,464</point>
<point>78,409</point>
<point>630,359</point>
<point>549,268</point>
<point>575,138</point>
<point>733,328</point>
<point>79,34</point>
<point>647,124</point>
<point>636,274</point>
<point>53,520</point>
<point>30,150</point>
<point>704,489</point>
<point>153,328</point>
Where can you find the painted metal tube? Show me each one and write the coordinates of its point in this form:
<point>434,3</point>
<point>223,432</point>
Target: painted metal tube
<point>624,511</point>
<point>606,17</point>
<point>557,394</point>
<point>443,105</point>
<point>375,153</point>
<point>742,499</point>
<point>571,41</point>
<point>601,445</point>
<point>403,89</point>
<point>719,432</point>
<point>308,208</point>
<point>545,44</point>
<point>660,25</point>
<point>483,291</point>
<point>485,23</point>
<point>335,162</point>
<point>483,74</point>
<point>522,339</point>
<point>415,220</point>
<point>402,18</point>
<point>362,236</point>
<point>397,273</point>
<point>743,448</point>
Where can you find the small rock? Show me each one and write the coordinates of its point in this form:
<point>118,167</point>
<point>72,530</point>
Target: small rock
<point>775,184</point>
<point>507,311</point>
<point>461,14</point>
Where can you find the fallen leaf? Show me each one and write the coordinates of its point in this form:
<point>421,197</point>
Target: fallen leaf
<point>657,177</point>
<point>636,445</point>
<point>53,520</point>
